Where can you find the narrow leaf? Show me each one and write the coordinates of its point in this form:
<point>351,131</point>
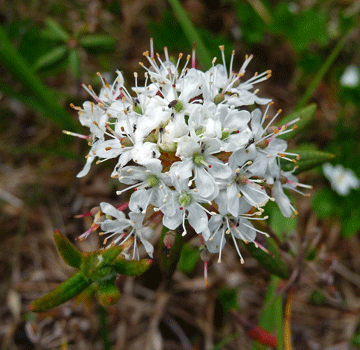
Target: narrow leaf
<point>57,31</point>
<point>191,33</point>
<point>111,253</point>
<point>51,58</point>
<point>131,267</point>
<point>97,42</point>
<point>64,292</point>
<point>272,306</point>
<point>20,69</point>
<point>67,251</point>
<point>74,63</point>
<point>271,261</point>
<point>309,159</point>
<point>324,68</point>
<point>306,114</point>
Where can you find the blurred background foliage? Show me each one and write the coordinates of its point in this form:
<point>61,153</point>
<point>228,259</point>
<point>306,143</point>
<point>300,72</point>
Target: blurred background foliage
<point>49,48</point>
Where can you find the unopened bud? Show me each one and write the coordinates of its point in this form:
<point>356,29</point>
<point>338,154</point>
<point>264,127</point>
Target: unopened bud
<point>204,254</point>
<point>169,239</point>
<point>219,98</point>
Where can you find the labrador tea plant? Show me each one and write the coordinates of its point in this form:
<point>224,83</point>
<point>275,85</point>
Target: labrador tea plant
<point>197,155</point>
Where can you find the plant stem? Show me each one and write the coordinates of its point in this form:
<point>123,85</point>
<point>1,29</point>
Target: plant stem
<point>104,328</point>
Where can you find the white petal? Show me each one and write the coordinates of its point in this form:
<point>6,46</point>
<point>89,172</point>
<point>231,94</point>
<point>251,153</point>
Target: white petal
<point>172,222</point>
<point>139,200</point>
<point>108,209</point>
<point>205,183</point>
<point>218,168</point>
<point>197,217</point>
<point>281,199</point>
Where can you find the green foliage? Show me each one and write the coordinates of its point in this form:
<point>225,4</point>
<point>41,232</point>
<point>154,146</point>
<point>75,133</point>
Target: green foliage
<point>306,116</point>
<point>97,43</point>
<point>67,251</point>
<point>228,298</point>
<point>281,225</point>
<point>317,298</point>
<point>323,203</point>
<point>43,96</point>
<point>189,259</point>
<point>64,292</point>
<point>309,159</point>
<point>302,28</point>
<point>272,313</point>
<point>99,267</point>
<point>52,57</point>
<point>191,33</point>
<point>269,259</point>
<point>252,25</point>
<point>65,50</point>
<point>163,33</point>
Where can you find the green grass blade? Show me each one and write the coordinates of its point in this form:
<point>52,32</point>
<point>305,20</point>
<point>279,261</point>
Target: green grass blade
<point>202,53</point>
<point>271,315</point>
<point>20,70</point>
<point>320,74</point>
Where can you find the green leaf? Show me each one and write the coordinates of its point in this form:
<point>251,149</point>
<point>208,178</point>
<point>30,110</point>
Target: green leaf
<point>228,298</point>
<point>322,71</point>
<point>97,42</point>
<point>351,226</point>
<point>110,254</point>
<point>271,261</point>
<point>317,298</point>
<point>271,314</point>
<point>74,63</point>
<point>250,19</point>
<point>306,114</point>
<point>58,33</point>
<point>131,267</point>
<point>309,159</point>
<point>189,259</point>
<point>324,203</point>
<point>20,69</point>
<point>67,251</point>
<point>64,292</point>
<point>108,293</point>
<point>94,267</point>
<point>191,33</point>
<point>281,225</point>
<point>51,58</point>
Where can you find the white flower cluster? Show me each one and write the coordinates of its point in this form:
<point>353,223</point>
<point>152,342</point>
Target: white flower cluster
<point>191,149</point>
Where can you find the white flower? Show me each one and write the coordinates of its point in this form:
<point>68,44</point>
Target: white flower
<point>241,186</point>
<point>350,76</point>
<point>187,146</point>
<point>342,180</point>
<point>186,203</point>
<point>198,157</point>
<point>118,225</point>
<point>238,228</point>
<point>149,183</point>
